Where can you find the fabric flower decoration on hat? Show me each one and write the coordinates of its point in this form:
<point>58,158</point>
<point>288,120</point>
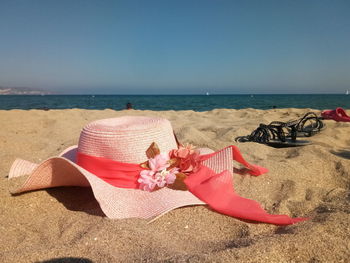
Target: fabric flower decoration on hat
<point>163,169</point>
<point>188,158</point>
<point>157,175</point>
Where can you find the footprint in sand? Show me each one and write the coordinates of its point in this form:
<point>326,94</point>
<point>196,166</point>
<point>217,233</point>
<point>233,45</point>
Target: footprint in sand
<point>309,194</point>
<point>336,200</point>
<point>287,189</point>
<point>293,153</point>
<point>342,175</point>
<point>195,137</point>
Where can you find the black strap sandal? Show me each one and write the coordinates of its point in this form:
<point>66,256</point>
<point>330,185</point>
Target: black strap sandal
<point>276,134</point>
<point>284,134</point>
<point>309,125</point>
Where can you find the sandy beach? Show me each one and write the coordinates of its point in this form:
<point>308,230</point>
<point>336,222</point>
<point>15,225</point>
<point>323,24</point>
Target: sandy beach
<point>67,224</point>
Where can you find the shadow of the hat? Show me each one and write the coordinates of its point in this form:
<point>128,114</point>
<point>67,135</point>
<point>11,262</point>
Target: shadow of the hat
<point>77,199</point>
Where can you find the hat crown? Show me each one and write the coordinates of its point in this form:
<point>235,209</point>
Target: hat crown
<point>126,139</point>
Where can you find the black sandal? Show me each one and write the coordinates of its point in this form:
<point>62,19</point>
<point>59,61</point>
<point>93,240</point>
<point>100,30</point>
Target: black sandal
<point>309,125</point>
<point>276,134</point>
<point>284,134</point>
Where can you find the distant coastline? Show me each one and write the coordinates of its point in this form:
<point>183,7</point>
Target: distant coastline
<point>22,91</point>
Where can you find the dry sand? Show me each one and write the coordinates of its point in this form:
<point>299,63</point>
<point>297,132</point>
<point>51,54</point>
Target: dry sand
<point>67,223</point>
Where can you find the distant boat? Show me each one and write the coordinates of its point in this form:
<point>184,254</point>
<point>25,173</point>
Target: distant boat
<point>347,92</point>
<point>207,94</point>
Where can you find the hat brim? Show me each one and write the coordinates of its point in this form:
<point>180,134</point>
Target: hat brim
<point>115,202</point>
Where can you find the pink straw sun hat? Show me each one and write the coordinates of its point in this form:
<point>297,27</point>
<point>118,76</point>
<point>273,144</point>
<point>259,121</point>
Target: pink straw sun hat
<point>136,168</point>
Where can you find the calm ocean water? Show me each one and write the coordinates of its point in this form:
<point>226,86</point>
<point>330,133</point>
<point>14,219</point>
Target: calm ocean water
<point>173,102</point>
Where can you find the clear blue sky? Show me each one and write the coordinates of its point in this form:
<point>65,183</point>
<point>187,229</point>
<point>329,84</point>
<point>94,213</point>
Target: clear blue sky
<point>162,47</point>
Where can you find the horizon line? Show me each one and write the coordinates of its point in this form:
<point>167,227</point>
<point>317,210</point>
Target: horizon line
<point>160,94</point>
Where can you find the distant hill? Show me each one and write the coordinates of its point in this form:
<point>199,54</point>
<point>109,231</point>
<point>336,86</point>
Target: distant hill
<point>22,91</point>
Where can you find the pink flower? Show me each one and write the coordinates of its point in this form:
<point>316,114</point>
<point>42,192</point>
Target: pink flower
<point>171,176</point>
<point>159,162</point>
<point>189,158</point>
<point>190,164</point>
<point>183,151</point>
<point>158,175</point>
<point>146,180</point>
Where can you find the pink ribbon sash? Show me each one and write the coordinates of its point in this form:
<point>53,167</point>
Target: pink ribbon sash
<point>215,189</point>
<point>123,175</point>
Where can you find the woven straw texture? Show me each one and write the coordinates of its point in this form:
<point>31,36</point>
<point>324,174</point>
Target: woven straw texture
<point>126,139</point>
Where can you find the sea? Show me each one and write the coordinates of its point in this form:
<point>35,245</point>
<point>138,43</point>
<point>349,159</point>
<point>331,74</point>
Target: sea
<point>175,102</point>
